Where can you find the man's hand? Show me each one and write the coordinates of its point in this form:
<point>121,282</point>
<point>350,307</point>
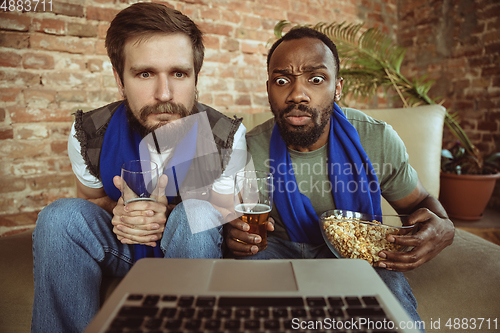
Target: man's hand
<point>140,222</point>
<point>433,235</point>
<point>236,235</point>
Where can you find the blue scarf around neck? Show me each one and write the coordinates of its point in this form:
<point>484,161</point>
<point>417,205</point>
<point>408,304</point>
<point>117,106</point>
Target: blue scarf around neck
<point>121,144</point>
<point>344,148</point>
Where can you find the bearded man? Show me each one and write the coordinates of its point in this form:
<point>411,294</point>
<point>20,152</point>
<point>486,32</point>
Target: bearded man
<point>323,157</point>
<point>157,54</point>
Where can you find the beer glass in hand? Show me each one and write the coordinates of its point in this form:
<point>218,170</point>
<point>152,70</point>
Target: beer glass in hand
<point>253,200</point>
<point>139,181</point>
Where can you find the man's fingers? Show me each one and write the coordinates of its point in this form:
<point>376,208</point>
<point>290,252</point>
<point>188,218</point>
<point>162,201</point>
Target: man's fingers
<point>162,184</point>
<point>270,224</point>
<point>117,181</point>
<point>241,249</point>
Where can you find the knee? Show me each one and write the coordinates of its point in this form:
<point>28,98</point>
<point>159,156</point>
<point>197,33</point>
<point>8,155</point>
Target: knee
<point>196,216</point>
<point>61,216</point>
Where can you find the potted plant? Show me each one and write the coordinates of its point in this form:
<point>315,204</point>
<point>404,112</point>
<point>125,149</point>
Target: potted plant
<point>467,181</point>
<point>370,60</point>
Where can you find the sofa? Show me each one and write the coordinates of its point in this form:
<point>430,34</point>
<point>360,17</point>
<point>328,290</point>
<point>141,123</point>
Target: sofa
<point>461,282</point>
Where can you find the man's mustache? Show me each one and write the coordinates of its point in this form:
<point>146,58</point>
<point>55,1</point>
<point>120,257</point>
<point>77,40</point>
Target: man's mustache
<point>164,107</point>
<point>300,107</point>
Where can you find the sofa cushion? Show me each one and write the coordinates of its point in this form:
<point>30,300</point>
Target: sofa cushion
<point>461,282</point>
<point>421,129</point>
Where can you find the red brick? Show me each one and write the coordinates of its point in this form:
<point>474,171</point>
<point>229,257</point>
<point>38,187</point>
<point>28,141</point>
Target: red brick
<point>9,21</point>
<point>38,61</point>
<point>239,6</point>
<point>49,182</point>
<point>14,40</point>
<point>223,99</point>
<point>219,57</point>
<point>216,29</point>
<point>211,42</point>
<point>243,100</point>
<point>63,44</point>
<point>102,29</point>
<point>230,16</point>
<point>30,132</point>
<point>67,9</point>
<point>10,59</point>
<point>2,115</point>
<point>39,97</point>
<point>268,11</point>
<point>100,48</point>
<point>101,13</point>
<point>94,65</point>
<point>82,30</point>
<point>247,47</point>
<point>487,126</point>
<point>6,133</point>
<point>230,44</point>
<point>9,94</point>
<point>32,115</point>
<point>20,78</point>
<point>49,26</point>
<point>59,147</point>
<point>210,14</point>
<point>253,22</point>
<point>73,96</point>
<point>12,185</point>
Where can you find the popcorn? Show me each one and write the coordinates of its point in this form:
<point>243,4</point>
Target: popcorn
<point>359,240</point>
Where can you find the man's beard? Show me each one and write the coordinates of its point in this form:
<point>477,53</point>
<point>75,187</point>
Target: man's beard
<point>298,136</point>
<point>162,107</point>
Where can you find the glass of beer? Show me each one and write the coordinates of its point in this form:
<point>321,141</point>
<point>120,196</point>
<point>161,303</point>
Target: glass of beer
<point>253,200</point>
<point>139,181</point>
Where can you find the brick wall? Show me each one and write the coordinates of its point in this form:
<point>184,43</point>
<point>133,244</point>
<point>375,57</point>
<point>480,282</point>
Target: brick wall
<point>53,62</point>
<point>458,43</point>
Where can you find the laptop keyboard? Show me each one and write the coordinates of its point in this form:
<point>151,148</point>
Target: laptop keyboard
<point>170,313</point>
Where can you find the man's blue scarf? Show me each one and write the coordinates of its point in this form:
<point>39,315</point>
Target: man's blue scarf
<point>121,144</point>
<point>344,148</point>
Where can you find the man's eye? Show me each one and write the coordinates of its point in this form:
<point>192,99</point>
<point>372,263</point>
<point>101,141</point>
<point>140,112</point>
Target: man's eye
<point>179,75</point>
<point>145,75</point>
<point>317,79</point>
<point>281,81</point>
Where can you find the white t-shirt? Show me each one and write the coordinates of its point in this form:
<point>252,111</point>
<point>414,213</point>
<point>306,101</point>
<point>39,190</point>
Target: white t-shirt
<point>223,185</point>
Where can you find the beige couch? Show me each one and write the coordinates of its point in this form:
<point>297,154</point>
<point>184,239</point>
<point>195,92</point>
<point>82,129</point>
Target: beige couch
<point>462,282</point>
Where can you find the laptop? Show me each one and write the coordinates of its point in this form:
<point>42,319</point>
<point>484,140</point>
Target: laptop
<point>228,295</point>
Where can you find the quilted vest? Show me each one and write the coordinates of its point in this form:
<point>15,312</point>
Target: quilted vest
<point>91,126</point>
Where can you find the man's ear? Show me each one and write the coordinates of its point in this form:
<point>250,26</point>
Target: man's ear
<point>119,83</point>
<point>338,86</point>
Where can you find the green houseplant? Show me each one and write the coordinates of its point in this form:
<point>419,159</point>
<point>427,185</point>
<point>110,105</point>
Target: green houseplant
<point>370,60</point>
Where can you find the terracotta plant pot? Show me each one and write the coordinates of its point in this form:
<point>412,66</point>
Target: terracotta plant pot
<point>465,196</point>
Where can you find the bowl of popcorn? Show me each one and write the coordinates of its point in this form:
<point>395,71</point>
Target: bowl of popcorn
<point>362,236</point>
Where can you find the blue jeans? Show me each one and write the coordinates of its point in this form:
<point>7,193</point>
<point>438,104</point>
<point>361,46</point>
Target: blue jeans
<point>278,248</point>
<point>74,247</point>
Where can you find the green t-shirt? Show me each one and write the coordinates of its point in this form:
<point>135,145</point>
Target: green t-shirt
<point>382,144</point>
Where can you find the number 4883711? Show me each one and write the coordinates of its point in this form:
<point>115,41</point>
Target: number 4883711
<point>26,5</point>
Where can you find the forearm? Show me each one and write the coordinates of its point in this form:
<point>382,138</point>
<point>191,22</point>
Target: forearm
<point>95,195</point>
<point>434,206</point>
<point>105,203</point>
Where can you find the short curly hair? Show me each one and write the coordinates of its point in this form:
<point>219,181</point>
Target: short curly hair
<point>305,32</point>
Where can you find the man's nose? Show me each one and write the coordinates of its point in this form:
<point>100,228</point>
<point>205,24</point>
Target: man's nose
<point>298,93</point>
<point>163,91</point>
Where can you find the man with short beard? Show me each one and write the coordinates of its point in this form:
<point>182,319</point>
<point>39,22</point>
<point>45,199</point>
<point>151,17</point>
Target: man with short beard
<point>156,53</point>
<point>322,158</point>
